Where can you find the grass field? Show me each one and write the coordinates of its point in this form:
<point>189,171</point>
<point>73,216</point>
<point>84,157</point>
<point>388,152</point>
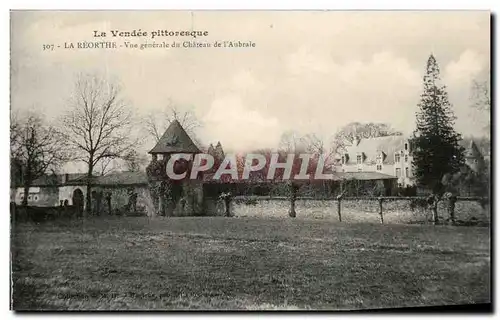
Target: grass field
<point>246,263</point>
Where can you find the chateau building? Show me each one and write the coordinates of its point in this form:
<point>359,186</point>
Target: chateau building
<point>473,157</point>
<point>392,155</point>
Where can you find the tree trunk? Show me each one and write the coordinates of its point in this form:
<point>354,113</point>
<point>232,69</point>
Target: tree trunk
<point>293,197</point>
<point>435,217</point>
<point>26,193</point>
<point>88,197</point>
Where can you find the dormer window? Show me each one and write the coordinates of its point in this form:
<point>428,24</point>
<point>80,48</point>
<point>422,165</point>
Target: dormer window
<point>345,158</point>
<point>397,158</point>
<point>379,167</point>
<point>359,159</point>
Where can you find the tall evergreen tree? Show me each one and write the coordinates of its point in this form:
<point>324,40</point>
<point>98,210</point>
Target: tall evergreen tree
<point>436,149</point>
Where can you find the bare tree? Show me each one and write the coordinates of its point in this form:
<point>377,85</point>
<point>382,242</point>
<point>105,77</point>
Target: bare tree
<point>98,124</point>
<point>317,146</point>
<point>291,141</point>
<point>481,98</point>
<point>14,132</point>
<point>134,161</point>
<point>36,148</point>
<point>157,122</point>
<point>348,133</point>
<point>105,166</point>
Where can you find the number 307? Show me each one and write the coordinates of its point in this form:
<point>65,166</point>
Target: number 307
<point>48,47</point>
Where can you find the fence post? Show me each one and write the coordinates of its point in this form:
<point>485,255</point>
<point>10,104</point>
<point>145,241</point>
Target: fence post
<point>380,200</point>
<point>452,199</point>
<point>226,199</point>
<point>339,200</point>
<point>434,206</point>
<point>435,217</point>
<point>293,197</point>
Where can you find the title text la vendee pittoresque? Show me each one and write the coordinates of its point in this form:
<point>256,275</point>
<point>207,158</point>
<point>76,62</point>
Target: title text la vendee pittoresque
<point>152,34</point>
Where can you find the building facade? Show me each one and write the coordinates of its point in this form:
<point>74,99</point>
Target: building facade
<point>52,190</point>
<point>473,158</point>
<point>390,155</point>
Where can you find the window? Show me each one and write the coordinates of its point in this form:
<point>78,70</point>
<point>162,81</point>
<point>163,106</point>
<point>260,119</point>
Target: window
<point>343,159</point>
<point>35,198</point>
<point>359,169</point>
<point>29,197</point>
<point>359,159</point>
<point>398,172</point>
<point>406,146</point>
<point>407,171</point>
<point>406,158</point>
<point>379,167</point>
<point>397,158</point>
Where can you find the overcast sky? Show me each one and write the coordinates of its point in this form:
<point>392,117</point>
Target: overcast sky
<point>310,71</point>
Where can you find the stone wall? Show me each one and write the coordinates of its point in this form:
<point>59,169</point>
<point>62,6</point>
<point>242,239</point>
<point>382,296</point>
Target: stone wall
<point>191,203</point>
<point>41,214</point>
<point>192,193</point>
<point>398,211</point>
<point>120,198</point>
<point>216,207</point>
<point>66,193</point>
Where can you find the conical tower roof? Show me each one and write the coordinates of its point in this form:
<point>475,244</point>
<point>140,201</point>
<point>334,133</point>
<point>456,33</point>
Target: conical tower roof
<point>219,152</point>
<point>472,151</point>
<point>211,150</point>
<point>175,140</point>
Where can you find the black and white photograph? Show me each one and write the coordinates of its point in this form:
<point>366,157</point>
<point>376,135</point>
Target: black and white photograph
<point>265,160</point>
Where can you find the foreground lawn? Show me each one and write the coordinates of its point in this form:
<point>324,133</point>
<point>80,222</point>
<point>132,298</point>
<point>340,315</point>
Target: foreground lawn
<point>246,263</point>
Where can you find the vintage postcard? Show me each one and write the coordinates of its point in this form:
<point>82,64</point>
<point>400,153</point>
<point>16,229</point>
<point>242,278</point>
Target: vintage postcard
<point>250,160</point>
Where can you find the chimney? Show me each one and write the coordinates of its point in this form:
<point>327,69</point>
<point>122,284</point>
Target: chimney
<point>357,140</point>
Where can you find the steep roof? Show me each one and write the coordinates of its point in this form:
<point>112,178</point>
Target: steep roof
<point>372,147</point>
<point>175,140</point>
<point>473,151</point>
<point>211,150</point>
<point>219,152</point>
